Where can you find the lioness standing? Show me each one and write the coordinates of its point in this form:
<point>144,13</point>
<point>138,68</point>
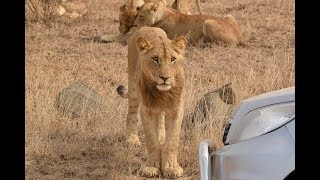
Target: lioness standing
<point>196,27</point>
<point>157,82</point>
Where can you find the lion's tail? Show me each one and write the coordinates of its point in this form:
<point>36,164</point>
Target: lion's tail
<point>198,6</point>
<point>122,91</point>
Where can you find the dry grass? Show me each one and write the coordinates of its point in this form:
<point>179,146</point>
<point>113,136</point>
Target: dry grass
<point>42,10</point>
<point>93,147</point>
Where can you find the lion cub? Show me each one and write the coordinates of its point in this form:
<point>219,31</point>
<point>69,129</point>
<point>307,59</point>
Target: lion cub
<point>157,83</point>
<point>195,27</point>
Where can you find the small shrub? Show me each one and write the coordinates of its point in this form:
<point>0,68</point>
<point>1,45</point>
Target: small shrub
<point>43,11</point>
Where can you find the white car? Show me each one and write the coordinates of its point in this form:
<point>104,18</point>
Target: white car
<point>259,141</point>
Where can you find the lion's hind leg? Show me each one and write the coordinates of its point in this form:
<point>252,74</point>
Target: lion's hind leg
<point>222,31</point>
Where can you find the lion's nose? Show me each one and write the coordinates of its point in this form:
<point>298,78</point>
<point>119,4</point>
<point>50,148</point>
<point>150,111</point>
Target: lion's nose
<point>164,78</point>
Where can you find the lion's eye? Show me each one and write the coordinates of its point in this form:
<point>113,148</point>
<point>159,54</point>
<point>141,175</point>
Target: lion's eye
<point>173,59</point>
<point>155,59</point>
<point>140,17</point>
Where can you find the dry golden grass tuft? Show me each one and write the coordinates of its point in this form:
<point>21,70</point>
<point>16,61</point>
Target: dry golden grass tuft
<point>93,147</point>
<point>43,11</point>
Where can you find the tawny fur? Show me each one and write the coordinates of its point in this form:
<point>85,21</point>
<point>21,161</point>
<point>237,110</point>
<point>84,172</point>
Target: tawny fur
<point>72,9</point>
<point>129,11</point>
<point>156,82</point>
<point>196,27</point>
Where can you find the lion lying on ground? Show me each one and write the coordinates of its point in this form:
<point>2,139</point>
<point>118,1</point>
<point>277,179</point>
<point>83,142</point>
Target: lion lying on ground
<point>72,9</point>
<point>196,27</point>
<point>128,13</point>
<point>157,82</point>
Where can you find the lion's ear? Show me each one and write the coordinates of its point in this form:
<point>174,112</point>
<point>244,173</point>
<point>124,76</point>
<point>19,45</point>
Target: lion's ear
<point>122,8</point>
<point>143,44</point>
<point>155,7</point>
<point>180,42</point>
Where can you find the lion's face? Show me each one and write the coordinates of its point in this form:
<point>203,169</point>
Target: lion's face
<point>126,18</point>
<point>161,62</point>
<point>146,15</point>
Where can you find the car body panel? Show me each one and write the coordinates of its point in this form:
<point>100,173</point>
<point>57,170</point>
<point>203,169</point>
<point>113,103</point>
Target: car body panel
<point>205,159</point>
<point>260,121</point>
<point>275,97</point>
<point>270,155</point>
<point>291,128</point>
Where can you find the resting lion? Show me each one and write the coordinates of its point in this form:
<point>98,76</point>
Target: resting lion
<point>72,9</point>
<point>195,27</point>
<point>128,13</point>
<point>157,82</point>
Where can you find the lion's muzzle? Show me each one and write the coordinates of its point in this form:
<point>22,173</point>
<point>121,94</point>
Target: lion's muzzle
<point>165,83</point>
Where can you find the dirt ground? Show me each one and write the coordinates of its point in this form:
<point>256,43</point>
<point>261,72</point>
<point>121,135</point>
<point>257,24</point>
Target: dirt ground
<point>93,147</point>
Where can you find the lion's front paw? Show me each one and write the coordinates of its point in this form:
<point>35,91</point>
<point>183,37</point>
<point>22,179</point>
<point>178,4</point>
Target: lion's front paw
<point>150,171</point>
<point>134,140</point>
<point>108,38</point>
<point>172,170</point>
